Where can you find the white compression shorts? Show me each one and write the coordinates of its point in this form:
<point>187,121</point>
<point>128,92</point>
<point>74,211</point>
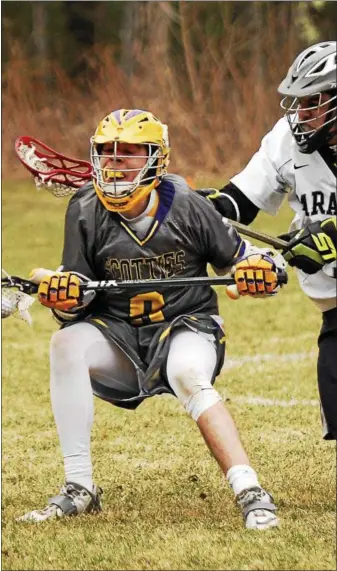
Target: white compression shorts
<point>81,350</point>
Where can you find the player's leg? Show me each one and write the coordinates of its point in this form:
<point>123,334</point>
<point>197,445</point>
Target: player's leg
<point>76,353</point>
<point>190,368</point>
<point>327,374</point>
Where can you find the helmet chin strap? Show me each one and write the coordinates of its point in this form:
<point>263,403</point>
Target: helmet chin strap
<point>117,188</point>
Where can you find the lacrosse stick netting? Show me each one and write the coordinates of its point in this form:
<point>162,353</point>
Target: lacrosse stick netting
<point>14,301</point>
<point>52,171</point>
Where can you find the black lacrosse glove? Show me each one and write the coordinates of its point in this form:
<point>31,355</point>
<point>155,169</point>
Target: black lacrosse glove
<point>310,248</point>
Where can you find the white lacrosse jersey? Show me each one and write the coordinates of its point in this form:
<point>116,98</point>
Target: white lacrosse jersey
<point>280,170</point>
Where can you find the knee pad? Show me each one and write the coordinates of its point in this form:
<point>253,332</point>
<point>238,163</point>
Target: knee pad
<point>195,392</point>
<point>201,401</point>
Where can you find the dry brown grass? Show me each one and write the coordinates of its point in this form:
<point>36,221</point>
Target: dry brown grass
<point>217,93</point>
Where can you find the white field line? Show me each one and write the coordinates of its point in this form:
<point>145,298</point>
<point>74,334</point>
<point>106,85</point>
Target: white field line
<point>285,358</point>
<point>260,401</point>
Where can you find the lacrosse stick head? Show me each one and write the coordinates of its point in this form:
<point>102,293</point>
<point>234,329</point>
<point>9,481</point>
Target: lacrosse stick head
<point>16,297</point>
<point>52,171</point>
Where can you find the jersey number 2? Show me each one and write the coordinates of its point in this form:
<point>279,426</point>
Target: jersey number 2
<point>146,308</point>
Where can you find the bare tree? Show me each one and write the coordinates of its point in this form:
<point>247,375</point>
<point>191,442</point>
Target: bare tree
<point>40,34</point>
<point>127,35</point>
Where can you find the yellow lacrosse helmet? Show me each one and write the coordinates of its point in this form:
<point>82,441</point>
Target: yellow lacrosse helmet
<point>133,126</point>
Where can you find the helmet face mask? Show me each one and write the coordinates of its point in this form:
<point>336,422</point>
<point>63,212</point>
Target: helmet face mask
<point>114,181</point>
<point>129,156</point>
<point>312,120</point>
<point>310,97</point>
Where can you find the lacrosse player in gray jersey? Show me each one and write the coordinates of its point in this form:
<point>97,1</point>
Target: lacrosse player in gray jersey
<point>135,221</point>
<point>297,159</point>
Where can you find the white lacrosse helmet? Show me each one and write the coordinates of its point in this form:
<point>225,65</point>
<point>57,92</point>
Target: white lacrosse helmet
<point>312,74</point>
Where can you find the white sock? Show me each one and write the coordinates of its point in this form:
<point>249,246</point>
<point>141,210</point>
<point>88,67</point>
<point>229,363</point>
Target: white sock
<point>241,477</point>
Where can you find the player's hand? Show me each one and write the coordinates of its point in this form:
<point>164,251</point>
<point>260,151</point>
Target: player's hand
<point>60,291</point>
<point>310,248</point>
<point>256,275</point>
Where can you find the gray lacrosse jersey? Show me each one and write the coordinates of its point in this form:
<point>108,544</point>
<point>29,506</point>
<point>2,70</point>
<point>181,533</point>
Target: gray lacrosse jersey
<point>186,233</point>
<point>280,170</point>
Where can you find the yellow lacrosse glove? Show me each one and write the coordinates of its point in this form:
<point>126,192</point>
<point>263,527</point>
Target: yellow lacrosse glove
<point>256,275</point>
<point>60,291</point>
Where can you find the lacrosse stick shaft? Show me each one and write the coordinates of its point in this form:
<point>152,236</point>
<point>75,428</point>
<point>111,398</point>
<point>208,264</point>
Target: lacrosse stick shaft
<point>277,243</point>
<point>170,282</point>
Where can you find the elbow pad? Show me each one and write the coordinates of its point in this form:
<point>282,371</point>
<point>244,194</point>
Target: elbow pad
<point>231,203</point>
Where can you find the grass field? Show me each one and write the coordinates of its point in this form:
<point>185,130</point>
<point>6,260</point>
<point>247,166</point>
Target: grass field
<point>166,505</point>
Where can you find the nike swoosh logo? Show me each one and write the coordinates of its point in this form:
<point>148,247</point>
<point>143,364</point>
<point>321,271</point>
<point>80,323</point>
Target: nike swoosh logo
<point>300,166</point>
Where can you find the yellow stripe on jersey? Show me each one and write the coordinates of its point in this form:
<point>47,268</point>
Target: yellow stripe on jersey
<point>146,239</point>
<point>238,250</point>
<point>100,322</point>
<point>165,333</point>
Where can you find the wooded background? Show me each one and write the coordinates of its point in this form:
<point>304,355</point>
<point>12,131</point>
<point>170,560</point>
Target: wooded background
<point>210,70</point>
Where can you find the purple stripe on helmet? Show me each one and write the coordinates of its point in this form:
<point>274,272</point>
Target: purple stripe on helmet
<point>117,116</point>
<point>133,113</point>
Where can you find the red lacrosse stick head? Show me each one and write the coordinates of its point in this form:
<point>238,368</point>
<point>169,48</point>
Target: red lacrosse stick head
<point>50,166</point>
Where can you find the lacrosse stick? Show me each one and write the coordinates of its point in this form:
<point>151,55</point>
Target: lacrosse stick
<point>277,243</point>
<point>17,292</point>
<point>30,287</point>
<point>63,175</point>
<point>16,297</point>
<point>52,171</point>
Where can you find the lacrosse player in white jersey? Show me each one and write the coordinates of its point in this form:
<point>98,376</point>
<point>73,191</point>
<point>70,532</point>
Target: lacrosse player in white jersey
<point>297,160</point>
<point>136,221</point>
